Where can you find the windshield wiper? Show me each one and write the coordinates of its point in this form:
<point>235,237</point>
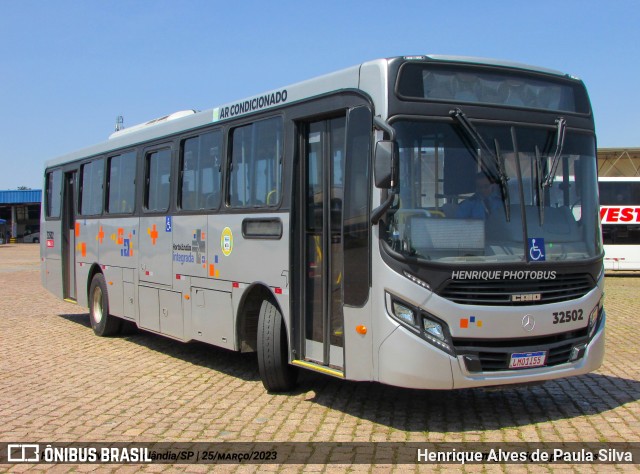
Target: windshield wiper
<point>561,131</point>
<point>503,178</point>
<point>500,175</point>
<point>539,186</point>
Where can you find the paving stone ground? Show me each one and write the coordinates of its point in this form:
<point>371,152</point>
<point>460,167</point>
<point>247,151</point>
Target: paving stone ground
<point>59,382</point>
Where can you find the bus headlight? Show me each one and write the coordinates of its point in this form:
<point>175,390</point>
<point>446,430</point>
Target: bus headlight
<point>425,325</point>
<point>436,334</point>
<point>433,329</point>
<point>594,317</point>
<point>404,314</point>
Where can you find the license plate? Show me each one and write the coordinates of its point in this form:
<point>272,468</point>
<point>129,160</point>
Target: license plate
<point>525,360</point>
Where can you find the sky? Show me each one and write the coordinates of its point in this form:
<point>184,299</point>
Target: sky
<point>68,68</point>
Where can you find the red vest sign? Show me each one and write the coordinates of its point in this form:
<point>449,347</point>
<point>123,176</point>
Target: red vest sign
<point>619,215</point>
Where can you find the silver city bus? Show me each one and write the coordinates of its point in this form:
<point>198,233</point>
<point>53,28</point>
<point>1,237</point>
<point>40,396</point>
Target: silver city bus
<point>427,222</point>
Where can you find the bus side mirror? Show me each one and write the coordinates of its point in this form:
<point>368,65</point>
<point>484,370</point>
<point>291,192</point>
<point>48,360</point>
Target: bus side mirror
<point>385,161</point>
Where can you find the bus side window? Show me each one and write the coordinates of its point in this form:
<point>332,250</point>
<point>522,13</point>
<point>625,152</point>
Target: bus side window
<point>53,194</point>
<point>91,188</point>
<point>121,183</point>
<point>200,172</point>
<point>255,177</point>
<point>158,172</point>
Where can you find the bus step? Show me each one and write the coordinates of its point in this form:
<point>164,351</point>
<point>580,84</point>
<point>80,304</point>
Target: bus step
<point>71,300</point>
<point>319,368</point>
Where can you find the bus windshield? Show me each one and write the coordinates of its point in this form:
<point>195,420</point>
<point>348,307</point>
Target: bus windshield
<point>452,207</point>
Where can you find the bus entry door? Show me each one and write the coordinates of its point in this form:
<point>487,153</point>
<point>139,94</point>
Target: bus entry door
<point>323,171</point>
<point>69,212</point>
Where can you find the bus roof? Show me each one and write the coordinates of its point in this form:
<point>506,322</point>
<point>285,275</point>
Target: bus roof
<point>343,79</point>
<point>498,62</point>
<point>162,127</point>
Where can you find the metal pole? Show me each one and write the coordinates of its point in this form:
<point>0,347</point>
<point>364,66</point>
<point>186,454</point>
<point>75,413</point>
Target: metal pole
<point>14,225</point>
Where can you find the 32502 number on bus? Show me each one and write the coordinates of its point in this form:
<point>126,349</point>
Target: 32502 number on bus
<point>567,316</point>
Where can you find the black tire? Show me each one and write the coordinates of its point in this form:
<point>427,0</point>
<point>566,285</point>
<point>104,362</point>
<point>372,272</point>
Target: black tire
<point>102,323</point>
<point>273,356</point>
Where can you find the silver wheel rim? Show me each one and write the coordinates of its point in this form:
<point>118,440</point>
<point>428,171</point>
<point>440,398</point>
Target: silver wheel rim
<point>97,305</point>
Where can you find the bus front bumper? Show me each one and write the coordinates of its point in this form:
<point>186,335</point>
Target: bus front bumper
<point>405,360</point>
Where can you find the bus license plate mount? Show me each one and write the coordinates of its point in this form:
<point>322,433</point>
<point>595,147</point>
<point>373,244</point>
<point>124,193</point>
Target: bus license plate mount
<point>527,360</point>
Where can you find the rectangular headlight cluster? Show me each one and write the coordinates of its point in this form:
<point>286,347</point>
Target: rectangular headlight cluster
<point>594,317</point>
<point>425,325</point>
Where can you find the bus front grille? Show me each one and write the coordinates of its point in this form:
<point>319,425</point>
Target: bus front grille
<point>502,292</point>
<point>491,355</point>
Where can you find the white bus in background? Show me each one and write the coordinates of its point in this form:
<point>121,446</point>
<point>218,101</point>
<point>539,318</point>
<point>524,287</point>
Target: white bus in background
<point>337,225</point>
<point>620,217</point>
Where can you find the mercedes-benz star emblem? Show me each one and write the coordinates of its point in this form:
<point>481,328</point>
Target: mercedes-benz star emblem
<point>528,323</point>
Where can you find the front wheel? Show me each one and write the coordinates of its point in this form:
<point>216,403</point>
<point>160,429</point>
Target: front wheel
<point>102,323</point>
<point>273,357</point>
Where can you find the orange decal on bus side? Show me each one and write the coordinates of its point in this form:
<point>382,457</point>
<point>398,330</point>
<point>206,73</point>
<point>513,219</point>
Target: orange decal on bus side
<point>153,233</point>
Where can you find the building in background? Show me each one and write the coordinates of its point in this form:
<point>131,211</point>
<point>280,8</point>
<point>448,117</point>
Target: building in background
<point>619,162</point>
<point>20,209</point>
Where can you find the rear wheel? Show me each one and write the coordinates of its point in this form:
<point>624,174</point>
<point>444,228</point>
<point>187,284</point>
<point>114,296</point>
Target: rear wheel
<point>273,356</point>
<point>102,323</point>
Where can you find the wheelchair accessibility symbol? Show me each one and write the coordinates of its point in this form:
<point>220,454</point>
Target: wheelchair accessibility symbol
<point>536,249</point>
